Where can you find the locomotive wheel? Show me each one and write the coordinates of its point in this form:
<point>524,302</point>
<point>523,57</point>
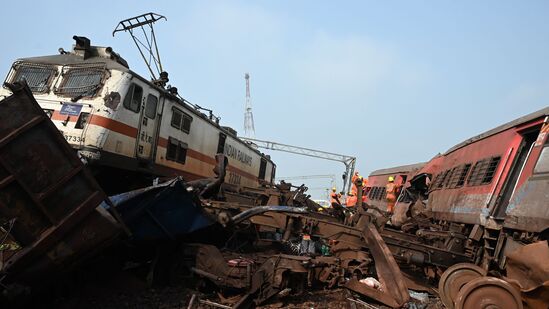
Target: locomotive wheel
<point>488,293</point>
<point>454,278</point>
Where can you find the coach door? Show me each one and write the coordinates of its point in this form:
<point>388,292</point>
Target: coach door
<point>523,153</point>
<point>146,138</point>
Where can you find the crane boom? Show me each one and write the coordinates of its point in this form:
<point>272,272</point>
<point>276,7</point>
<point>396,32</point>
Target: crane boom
<point>348,161</point>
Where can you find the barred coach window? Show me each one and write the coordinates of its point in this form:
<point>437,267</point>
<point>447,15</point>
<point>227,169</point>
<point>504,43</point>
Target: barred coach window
<point>37,76</point>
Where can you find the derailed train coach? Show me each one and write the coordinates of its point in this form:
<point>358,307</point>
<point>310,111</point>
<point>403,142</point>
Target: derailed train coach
<point>377,180</point>
<point>484,197</point>
<point>131,130</point>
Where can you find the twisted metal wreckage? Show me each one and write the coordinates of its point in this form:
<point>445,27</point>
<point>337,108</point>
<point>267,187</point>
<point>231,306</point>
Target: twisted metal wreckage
<point>273,242</point>
<point>55,217</point>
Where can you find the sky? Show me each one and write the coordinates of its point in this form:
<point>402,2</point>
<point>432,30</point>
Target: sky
<point>389,82</point>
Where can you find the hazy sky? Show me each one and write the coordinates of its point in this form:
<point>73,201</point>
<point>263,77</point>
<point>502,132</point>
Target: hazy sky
<point>390,82</point>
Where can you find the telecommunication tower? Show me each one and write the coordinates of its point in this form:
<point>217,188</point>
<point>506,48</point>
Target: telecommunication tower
<point>249,129</point>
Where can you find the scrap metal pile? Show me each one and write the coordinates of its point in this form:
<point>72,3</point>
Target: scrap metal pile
<point>55,219</point>
<point>232,249</point>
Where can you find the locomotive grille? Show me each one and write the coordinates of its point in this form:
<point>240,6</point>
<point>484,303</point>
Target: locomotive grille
<point>81,81</point>
<point>37,76</point>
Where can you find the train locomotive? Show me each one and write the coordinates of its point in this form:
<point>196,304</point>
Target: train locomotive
<point>130,130</point>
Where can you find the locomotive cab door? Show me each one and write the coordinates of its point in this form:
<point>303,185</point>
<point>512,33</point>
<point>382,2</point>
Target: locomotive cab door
<point>147,137</point>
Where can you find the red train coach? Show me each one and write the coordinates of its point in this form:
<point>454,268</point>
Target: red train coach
<point>500,176</point>
<point>484,198</point>
<point>377,180</point>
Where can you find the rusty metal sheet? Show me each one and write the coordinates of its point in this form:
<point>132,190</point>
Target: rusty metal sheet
<point>528,271</point>
<point>44,188</point>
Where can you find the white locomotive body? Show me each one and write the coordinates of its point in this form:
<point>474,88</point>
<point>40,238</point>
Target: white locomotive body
<point>126,127</point>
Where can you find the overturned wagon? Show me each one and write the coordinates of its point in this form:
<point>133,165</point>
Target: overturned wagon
<point>48,200</point>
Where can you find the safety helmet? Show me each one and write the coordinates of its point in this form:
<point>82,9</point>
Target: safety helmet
<point>334,189</point>
<point>391,178</point>
<point>320,209</point>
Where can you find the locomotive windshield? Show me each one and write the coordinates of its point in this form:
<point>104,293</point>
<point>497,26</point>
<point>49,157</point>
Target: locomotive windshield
<point>37,76</point>
<point>84,82</point>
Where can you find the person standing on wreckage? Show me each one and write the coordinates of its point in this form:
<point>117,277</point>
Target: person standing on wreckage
<point>390,189</point>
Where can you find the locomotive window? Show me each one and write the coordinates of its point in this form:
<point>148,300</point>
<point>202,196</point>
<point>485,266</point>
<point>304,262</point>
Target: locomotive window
<point>262,169</point>
<point>82,120</point>
<point>176,118</point>
<point>171,152</point>
<point>273,173</point>
<point>181,120</point>
<point>186,127</point>
<point>177,151</point>
<point>132,101</point>
<point>37,76</point>
<point>150,107</point>
<point>83,82</point>
<point>181,152</point>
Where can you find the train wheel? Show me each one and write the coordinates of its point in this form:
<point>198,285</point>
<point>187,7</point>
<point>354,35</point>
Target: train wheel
<point>488,292</point>
<point>454,278</point>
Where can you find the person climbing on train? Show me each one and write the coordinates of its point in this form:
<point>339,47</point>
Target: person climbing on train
<point>390,189</point>
<point>334,197</point>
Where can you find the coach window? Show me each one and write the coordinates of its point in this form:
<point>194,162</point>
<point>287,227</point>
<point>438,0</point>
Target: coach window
<point>542,166</point>
<point>132,101</point>
<point>150,107</point>
<point>463,175</point>
<point>491,170</point>
<point>181,120</point>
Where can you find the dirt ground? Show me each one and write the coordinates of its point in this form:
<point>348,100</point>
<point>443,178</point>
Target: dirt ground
<point>129,292</point>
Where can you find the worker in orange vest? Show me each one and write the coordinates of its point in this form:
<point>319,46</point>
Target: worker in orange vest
<point>390,188</point>
<point>351,200</point>
<point>334,197</point>
<point>353,180</point>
